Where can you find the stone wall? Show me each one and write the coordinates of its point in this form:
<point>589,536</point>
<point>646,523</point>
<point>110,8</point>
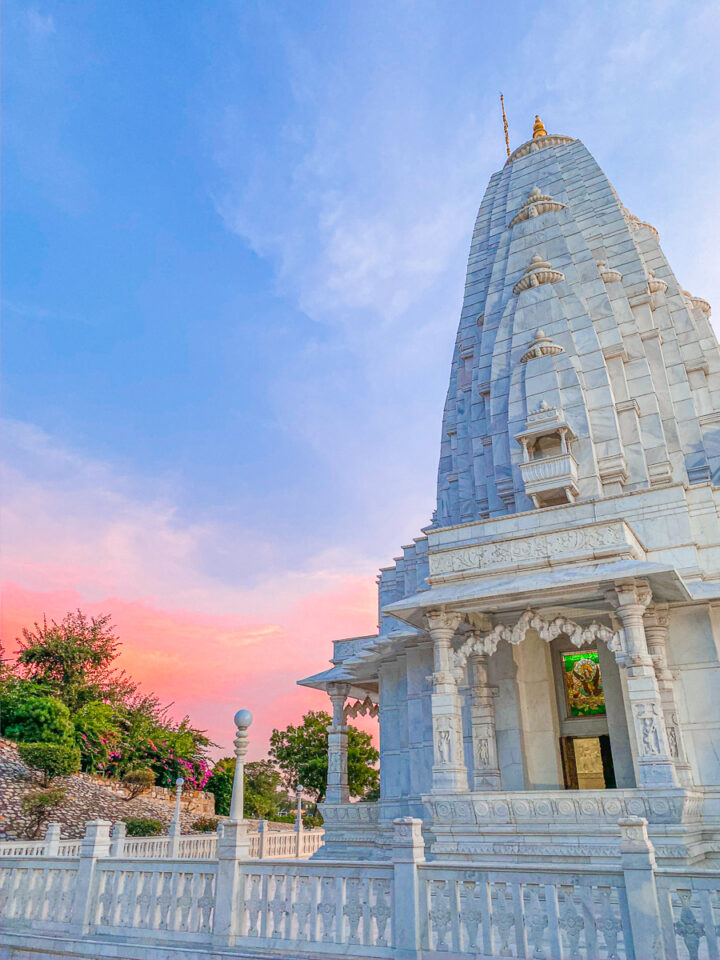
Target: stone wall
<point>197,802</point>
<point>87,798</point>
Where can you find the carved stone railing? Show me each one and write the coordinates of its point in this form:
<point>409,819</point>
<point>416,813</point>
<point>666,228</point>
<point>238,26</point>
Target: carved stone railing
<point>143,898</point>
<point>689,903</point>
<point>403,908</point>
<point>22,848</point>
<point>147,847</point>
<point>264,843</point>
<point>304,906</point>
<point>538,913</point>
<point>37,890</point>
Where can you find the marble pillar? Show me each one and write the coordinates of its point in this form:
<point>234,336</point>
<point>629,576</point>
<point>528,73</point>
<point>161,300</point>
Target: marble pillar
<point>449,773</point>
<point>337,781</point>
<point>486,770</point>
<point>657,628</point>
<point>655,767</point>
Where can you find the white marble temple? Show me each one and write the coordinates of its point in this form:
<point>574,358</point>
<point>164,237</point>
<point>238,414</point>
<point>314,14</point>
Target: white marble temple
<point>577,480</point>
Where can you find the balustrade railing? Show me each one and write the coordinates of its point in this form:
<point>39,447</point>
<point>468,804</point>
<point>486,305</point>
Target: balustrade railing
<point>146,847</point>
<point>22,848</point>
<point>37,891</point>
<point>404,907</point>
<point>142,898</point>
<point>690,913</point>
<point>316,904</point>
<point>538,913</point>
<point>265,843</point>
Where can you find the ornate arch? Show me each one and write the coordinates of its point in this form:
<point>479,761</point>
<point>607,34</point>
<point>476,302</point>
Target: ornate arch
<point>547,629</point>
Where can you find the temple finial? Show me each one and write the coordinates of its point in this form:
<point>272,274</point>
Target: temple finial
<point>539,128</point>
<point>505,125</point>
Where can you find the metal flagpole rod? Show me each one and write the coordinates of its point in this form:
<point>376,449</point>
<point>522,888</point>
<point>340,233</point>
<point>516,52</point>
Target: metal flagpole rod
<point>505,124</point>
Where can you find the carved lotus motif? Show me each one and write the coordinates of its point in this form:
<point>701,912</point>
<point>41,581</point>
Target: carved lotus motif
<point>536,204</point>
<point>542,346</point>
<point>607,274</point>
<point>655,284</point>
<point>635,223</point>
<point>539,271</point>
<point>702,305</point>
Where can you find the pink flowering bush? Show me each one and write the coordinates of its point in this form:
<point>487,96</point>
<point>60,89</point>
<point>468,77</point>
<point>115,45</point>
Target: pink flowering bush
<point>71,666</point>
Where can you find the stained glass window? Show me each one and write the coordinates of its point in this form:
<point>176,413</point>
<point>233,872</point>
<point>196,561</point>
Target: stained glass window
<point>583,684</point>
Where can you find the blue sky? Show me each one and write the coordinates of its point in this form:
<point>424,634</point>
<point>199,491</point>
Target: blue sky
<point>235,238</point>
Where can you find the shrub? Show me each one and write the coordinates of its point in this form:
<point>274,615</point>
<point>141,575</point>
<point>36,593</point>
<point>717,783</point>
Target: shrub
<point>38,806</point>
<point>36,720</point>
<point>143,827</point>
<point>205,825</point>
<point>97,733</point>
<point>312,820</point>
<point>137,782</point>
<point>221,784</point>
<point>53,759</point>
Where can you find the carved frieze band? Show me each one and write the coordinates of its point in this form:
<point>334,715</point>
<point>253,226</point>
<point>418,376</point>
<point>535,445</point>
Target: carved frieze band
<point>591,806</point>
<point>608,540</point>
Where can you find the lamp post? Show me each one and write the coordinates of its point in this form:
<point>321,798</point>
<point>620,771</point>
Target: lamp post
<point>298,819</point>
<point>175,826</point>
<point>243,719</point>
<point>298,823</point>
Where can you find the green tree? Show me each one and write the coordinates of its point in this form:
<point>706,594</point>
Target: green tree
<point>137,782</point>
<point>118,728</point>
<point>263,794</point>
<point>38,806</point>
<point>35,719</point>
<point>301,754</point>
<point>72,659</point>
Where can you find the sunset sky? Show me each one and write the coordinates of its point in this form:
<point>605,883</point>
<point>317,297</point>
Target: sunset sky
<point>235,237</point>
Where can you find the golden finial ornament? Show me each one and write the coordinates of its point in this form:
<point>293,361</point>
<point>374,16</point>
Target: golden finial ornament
<point>539,128</point>
<point>505,125</point>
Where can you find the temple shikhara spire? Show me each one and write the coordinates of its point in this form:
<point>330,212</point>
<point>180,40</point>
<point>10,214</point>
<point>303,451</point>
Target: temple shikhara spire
<point>548,644</point>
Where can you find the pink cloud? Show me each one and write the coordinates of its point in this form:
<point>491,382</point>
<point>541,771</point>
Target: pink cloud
<point>208,666</point>
<point>77,535</point>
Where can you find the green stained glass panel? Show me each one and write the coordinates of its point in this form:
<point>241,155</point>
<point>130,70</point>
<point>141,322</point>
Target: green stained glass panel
<point>583,684</point>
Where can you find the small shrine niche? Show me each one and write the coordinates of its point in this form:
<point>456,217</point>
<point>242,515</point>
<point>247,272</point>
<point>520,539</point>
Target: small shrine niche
<point>549,470</point>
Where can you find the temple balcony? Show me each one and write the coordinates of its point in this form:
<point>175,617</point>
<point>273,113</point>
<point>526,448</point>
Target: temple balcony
<point>548,470</point>
<point>551,480</point>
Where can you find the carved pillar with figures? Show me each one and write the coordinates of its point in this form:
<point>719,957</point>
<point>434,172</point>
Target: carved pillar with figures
<point>655,767</point>
<point>657,628</point>
<point>449,770</point>
<point>486,772</point>
<point>337,780</point>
